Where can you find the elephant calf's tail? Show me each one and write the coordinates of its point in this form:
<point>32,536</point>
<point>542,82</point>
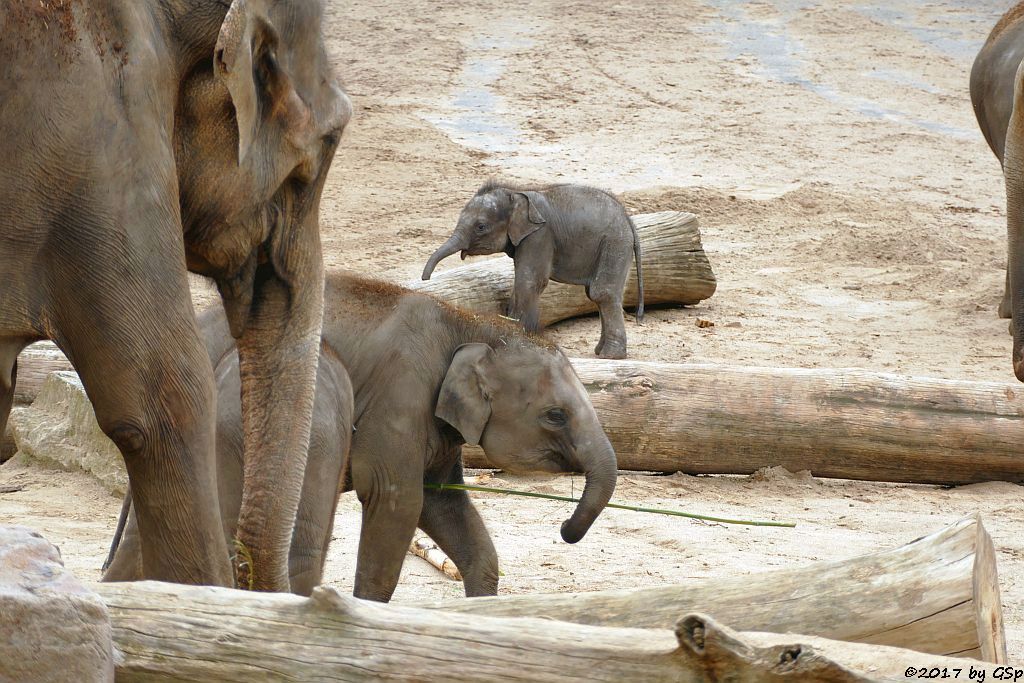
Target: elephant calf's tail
<point>639,275</point>
<point>126,506</point>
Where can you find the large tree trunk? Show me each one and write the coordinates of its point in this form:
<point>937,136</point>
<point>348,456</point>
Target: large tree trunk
<point>173,632</point>
<point>849,424</point>
<point>718,419</point>
<point>170,632</point>
<point>676,271</point>
<point>938,594</point>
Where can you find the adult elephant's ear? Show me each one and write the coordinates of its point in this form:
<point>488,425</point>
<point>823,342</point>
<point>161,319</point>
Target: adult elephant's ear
<point>234,61</point>
<point>528,211</point>
<point>464,401</point>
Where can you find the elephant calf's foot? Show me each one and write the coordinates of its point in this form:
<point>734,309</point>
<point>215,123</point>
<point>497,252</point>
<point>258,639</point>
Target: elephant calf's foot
<point>611,350</point>
<point>1004,309</point>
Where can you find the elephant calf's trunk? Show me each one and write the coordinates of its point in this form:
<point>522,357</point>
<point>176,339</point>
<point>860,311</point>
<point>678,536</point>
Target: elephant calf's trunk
<point>452,246</point>
<point>598,491</point>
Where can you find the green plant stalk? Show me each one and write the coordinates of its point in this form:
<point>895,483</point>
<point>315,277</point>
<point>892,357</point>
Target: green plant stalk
<point>632,508</point>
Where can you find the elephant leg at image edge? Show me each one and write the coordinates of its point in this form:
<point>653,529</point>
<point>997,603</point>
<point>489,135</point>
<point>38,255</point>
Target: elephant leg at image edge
<point>8,381</point>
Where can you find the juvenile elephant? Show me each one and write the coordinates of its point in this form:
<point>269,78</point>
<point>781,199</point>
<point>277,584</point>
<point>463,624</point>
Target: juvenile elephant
<point>141,139</point>
<point>997,91</point>
<point>327,459</point>
<point>427,378</point>
<point>568,233</point>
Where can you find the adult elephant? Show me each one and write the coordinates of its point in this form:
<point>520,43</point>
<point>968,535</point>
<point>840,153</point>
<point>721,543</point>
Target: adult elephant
<point>992,95</point>
<point>141,139</point>
<point>997,92</point>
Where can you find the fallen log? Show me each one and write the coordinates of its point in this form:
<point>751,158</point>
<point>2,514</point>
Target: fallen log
<point>847,424</point>
<point>938,594</point>
<point>676,271</point>
<point>174,632</point>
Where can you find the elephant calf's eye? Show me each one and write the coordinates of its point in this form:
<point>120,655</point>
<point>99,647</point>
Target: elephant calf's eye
<point>556,417</point>
<point>481,229</point>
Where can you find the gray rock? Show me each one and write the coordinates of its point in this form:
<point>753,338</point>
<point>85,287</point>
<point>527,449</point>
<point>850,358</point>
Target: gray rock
<point>60,428</point>
<point>51,627</point>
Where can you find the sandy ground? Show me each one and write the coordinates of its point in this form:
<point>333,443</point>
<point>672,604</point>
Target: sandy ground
<point>851,209</point>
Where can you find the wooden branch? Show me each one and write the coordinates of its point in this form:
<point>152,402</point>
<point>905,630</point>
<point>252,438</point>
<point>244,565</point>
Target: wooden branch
<point>938,594</point>
<point>850,424</point>
<point>676,270</point>
<point>427,550</point>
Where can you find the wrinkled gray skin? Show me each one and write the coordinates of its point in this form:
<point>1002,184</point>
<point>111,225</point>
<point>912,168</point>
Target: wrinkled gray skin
<point>427,379</point>
<point>329,443</point>
<point>992,93</point>
<point>568,233</point>
<point>141,139</point>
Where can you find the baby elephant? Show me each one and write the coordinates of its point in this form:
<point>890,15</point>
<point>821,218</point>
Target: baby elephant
<point>568,233</point>
<point>427,379</point>
<point>328,453</point>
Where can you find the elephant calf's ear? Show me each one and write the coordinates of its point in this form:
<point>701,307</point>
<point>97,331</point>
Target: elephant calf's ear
<point>463,402</point>
<point>527,215</point>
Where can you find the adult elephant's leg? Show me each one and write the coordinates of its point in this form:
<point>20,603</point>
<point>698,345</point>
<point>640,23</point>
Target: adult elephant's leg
<point>134,342</point>
<point>1005,306</point>
<point>8,381</point>
<point>391,492</point>
<point>450,519</point>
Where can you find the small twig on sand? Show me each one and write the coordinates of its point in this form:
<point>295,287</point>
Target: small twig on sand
<point>428,550</point>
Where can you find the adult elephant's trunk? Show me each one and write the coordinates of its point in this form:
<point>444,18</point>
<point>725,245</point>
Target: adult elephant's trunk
<point>278,355</point>
<point>1013,171</point>
<point>599,465</point>
<point>454,244</point>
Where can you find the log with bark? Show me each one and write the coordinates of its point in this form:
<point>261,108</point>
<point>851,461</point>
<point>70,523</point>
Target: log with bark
<point>721,419</point>
<point>188,633</point>
<point>848,424</point>
<point>173,632</point>
<point>676,271</point>
<point>938,594</point>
